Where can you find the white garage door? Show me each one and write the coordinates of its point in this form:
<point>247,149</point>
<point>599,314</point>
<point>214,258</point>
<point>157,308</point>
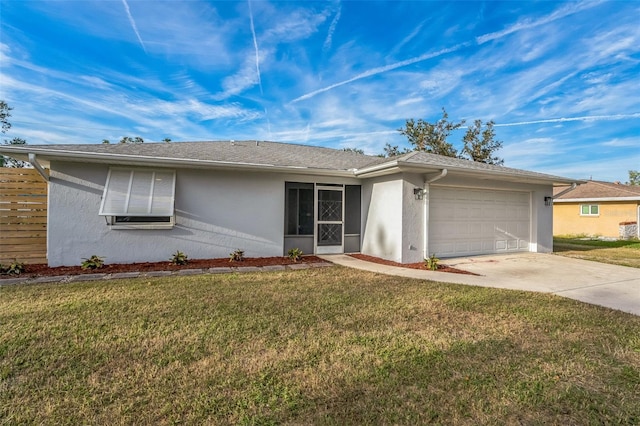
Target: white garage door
<point>469,221</point>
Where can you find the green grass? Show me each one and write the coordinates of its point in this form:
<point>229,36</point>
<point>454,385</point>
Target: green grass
<point>619,252</point>
<point>319,346</point>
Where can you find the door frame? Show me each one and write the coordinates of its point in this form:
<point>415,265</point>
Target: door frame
<point>328,249</point>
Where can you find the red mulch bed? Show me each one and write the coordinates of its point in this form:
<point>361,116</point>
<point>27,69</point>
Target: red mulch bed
<point>42,270</point>
<point>419,265</point>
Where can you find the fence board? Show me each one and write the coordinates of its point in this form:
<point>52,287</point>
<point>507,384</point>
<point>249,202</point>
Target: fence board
<point>23,213</point>
<point>36,199</point>
<point>24,234</point>
<point>33,227</point>
<point>24,191</point>
<point>23,216</point>
<point>21,220</point>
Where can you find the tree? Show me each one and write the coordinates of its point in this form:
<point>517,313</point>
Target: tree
<point>480,144</point>
<point>431,137</point>
<point>127,139</point>
<point>5,113</point>
<point>634,177</point>
<point>166,140</point>
<point>356,150</point>
<point>10,162</point>
<point>393,150</point>
<point>106,141</point>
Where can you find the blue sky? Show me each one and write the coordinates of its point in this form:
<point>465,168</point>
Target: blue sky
<point>561,80</point>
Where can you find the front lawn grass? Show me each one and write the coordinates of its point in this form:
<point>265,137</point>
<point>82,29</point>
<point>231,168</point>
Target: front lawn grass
<point>318,346</point>
<point>619,252</point>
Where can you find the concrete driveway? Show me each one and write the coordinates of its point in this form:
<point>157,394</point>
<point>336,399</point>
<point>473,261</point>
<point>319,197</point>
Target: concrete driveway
<point>616,287</point>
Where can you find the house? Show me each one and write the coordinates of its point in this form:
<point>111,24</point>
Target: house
<point>597,208</point>
<point>142,202</point>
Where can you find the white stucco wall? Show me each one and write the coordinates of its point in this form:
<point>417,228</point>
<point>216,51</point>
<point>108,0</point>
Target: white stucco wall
<point>382,217</point>
<point>541,220</point>
<point>220,211</point>
<point>216,212</point>
<point>413,219</point>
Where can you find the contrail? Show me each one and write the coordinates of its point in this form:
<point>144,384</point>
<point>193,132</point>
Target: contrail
<point>332,28</point>
<point>133,24</point>
<point>380,70</point>
<point>567,119</point>
<point>558,14</point>
<point>255,45</point>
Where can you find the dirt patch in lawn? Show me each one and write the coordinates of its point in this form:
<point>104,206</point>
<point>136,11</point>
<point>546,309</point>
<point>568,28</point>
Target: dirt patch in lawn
<point>418,265</point>
<point>42,270</point>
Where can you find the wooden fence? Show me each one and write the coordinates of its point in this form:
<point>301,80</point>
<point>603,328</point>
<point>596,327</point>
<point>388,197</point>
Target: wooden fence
<point>23,216</point>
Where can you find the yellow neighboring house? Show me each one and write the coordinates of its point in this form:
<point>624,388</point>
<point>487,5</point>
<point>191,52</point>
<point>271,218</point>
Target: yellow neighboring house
<point>597,208</point>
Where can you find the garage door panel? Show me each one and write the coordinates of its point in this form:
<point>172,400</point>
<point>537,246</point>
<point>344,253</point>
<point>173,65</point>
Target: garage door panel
<point>487,246</point>
<point>487,230</point>
<point>460,212</point>
<point>462,230</point>
<point>488,212</point>
<point>446,249</point>
<point>464,221</point>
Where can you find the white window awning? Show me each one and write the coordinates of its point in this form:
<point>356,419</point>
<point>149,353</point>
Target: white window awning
<point>138,192</point>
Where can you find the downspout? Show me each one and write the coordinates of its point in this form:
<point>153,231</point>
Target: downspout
<point>34,162</point>
<point>571,188</point>
<point>425,212</point>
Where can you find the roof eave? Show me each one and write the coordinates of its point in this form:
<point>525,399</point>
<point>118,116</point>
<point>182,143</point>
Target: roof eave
<point>412,167</point>
<point>377,170</point>
<point>137,160</point>
<point>593,199</point>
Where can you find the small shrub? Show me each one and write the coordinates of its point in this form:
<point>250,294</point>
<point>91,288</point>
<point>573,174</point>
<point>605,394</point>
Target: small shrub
<point>432,262</point>
<point>94,262</point>
<point>179,258</point>
<point>295,254</point>
<point>15,268</point>
<point>236,256</point>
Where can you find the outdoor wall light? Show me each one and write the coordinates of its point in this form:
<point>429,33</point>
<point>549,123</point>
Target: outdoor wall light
<point>547,201</point>
<point>418,193</point>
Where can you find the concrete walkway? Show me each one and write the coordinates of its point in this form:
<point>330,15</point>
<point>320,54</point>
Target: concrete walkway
<point>612,286</point>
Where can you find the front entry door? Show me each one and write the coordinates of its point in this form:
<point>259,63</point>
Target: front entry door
<point>329,235</point>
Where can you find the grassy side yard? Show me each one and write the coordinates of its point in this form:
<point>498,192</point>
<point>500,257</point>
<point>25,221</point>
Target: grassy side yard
<point>622,252</point>
<point>318,346</point>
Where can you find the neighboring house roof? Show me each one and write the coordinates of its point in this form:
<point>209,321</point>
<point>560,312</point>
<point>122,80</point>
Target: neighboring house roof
<point>594,190</point>
<point>272,156</point>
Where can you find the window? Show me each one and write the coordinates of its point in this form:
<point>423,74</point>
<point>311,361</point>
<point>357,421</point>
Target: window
<point>589,210</point>
<point>299,208</point>
<point>139,198</point>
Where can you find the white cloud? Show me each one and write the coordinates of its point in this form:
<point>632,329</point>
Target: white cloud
<point>623,142</point>
<point>570,119</point>
<point>379,70</point>
<point>409,101</point>
<point>525,24</point>
<point>332,28</point>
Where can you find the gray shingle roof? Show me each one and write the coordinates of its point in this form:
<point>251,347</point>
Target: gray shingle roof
<point>272,154</point>
<point>241,152</point>
<point>439,161</point>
